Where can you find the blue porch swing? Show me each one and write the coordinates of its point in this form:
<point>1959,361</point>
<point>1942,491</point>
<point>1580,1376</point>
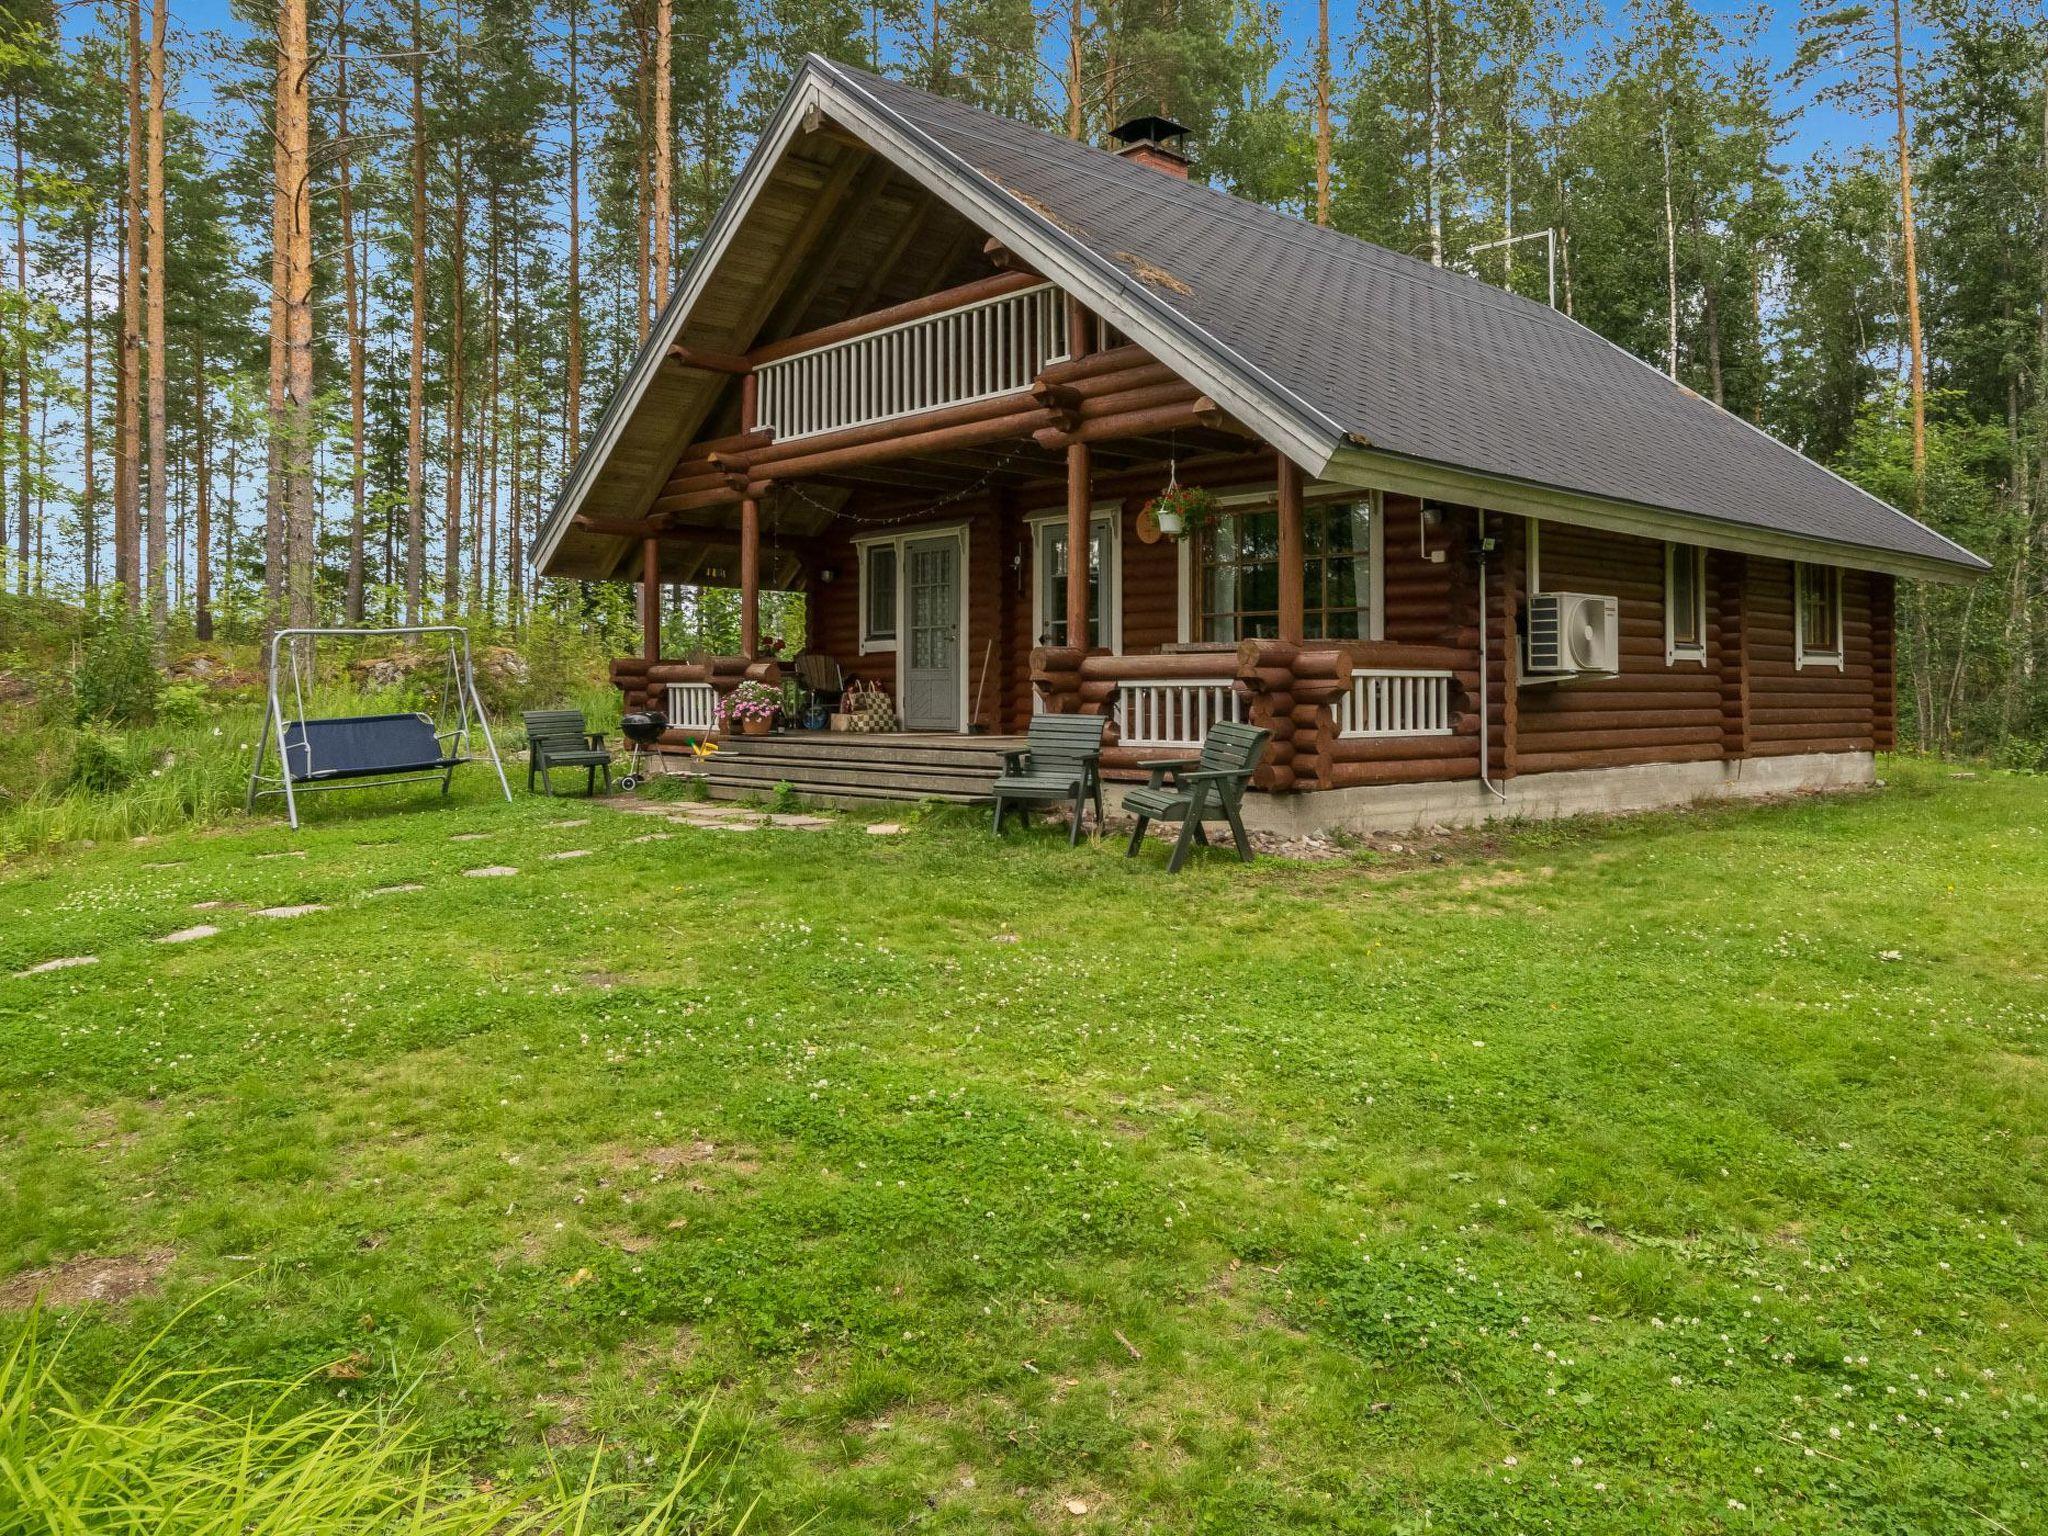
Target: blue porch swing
<point>366,751</point>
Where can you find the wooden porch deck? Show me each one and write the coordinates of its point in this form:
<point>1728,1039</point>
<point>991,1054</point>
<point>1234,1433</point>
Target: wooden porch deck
<point>882,768</point>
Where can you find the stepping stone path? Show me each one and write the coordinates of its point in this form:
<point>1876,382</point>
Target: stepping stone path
<point>298,911</point>
<point>210,906</point>
<point>884,828</point>
<point>571,853</point>
<point>165,864</point>
<point>396,890</point>
<point>651,837</point>
<point>59,965</point>
<point>800,823</point>
<point>581,821</point>
<point>187,935</point>
<point>490,872</point>
<point>470,837</point>
<point>290,853</point>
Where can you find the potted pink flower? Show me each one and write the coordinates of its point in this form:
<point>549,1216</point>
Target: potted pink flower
<point>751,708</point>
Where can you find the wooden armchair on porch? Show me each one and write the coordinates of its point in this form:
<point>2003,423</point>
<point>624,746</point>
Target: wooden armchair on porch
<point>1194,790</point>
<point>822,679</point>
<point>1061,761</point>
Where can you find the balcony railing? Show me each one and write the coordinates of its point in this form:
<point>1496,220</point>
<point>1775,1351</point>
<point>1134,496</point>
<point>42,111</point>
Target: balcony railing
<point>1385,702</point>
<point>975,352</point>
<point>1174,712</point>
<point>692,707</point>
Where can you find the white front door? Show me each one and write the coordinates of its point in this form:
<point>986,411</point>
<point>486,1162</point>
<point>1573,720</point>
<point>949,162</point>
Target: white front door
<point>932,672</point>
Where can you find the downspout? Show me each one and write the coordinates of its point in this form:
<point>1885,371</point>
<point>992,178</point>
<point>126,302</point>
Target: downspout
<point>1485,694</point>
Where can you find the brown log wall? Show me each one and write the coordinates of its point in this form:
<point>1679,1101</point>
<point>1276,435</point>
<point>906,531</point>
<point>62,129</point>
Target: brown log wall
<point>1747,698</point>
<point>1652,711</point>
<point>1813,708</point>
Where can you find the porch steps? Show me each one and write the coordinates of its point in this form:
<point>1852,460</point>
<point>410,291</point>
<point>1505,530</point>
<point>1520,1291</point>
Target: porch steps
<point>882,769</point>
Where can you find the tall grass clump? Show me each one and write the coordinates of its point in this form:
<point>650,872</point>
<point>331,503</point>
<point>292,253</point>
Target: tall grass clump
<point>178,1452</point>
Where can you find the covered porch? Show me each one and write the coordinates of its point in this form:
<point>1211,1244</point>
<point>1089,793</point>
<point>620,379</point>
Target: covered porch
<point>921,472</point>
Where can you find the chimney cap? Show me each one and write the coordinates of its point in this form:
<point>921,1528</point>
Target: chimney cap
<point>1150,130</point>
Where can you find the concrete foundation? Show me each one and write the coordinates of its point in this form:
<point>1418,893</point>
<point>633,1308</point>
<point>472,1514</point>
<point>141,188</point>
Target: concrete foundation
<point>1544,796</point>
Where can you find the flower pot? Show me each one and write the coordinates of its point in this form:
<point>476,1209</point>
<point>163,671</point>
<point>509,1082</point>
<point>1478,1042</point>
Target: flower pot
<point>754,725</point>
<point>1171,524</point>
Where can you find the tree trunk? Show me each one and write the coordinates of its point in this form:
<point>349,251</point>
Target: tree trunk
<point>22,363</point>
<point>573,385</point>
<point>416,395</point>
<point>295,430</point>
<point>355,311</point>
<point>88,498</point>
<point>1075,35</point>
<point>663,152</point>
<point>202,498</point>
<point>451,534</point>
<point>643,192</point>
<point>159,459</point>
<point>1670,258</point>
<point>1322,111</point>
<point>128,471</point>
<point>1433,151</point>
<point>1917,379</point>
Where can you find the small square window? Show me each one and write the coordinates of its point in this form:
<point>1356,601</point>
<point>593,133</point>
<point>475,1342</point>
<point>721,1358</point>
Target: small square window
<point>878,596</point>
<point>1685,603</point>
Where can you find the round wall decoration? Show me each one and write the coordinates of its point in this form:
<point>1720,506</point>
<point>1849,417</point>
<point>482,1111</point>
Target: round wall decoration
<point>1148,526</point>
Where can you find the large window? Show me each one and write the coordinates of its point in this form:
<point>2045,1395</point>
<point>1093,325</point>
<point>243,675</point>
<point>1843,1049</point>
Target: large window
<point>1685,603</point>
<point>1049,561</point>
<point>1817,626</point>
<point>878,596</point>
<point>1237,576</point>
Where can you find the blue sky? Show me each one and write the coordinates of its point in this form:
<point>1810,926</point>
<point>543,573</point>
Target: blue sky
<point>1818,130</point>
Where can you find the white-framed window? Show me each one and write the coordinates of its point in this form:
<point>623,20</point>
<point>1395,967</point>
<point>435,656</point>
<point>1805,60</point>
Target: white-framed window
<point>1049,580</point>
<point>1817,615</point>
<point>879,560</point>
<point>1232,568</point>
<point>1685,604</point>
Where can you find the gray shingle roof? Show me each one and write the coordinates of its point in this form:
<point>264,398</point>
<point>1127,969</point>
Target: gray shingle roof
<point>1404,357</point>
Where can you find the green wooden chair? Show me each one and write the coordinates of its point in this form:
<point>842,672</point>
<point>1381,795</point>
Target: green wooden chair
<point>556,738</point>
<point>1062,760</point>
<point>1194,790</point>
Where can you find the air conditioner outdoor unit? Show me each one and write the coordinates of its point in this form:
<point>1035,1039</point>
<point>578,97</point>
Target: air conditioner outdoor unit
<point>1573,633</point>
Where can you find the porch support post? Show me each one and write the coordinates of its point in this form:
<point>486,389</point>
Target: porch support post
<point>1293,562</point>
<point>750,578</point>
<point>650,599</point>
<point>1080,500</point>
<point>750,536</point>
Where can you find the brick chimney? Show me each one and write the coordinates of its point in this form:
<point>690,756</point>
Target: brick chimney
<point>1154,141</point>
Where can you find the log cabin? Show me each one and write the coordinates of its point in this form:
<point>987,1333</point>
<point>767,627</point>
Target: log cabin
<point>1462,556</point>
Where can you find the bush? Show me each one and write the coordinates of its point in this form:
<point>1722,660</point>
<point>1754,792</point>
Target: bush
<point>101,762</point>
<point>185,704</point>
<point>116,680</point>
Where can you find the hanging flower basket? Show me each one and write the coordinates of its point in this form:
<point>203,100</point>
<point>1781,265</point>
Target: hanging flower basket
<point>1182,510</point>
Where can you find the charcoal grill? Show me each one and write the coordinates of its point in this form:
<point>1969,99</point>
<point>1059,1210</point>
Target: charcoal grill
<point>643,729</point>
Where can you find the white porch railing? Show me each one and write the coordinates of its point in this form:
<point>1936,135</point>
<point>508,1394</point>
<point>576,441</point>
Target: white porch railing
<point>1174,712</point>
<point>692,707</point>
<point>1387,702</point>
<point>995,347</point>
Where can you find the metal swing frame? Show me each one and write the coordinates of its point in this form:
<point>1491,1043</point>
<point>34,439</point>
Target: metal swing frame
<point>453,743</point>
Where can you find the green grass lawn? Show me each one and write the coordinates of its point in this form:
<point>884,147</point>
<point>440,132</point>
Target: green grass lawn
<point>1678,1174</point>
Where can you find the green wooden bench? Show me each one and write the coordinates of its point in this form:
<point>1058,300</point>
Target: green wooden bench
<point>1062,760</point>
<point>556,738</point>
<point>1198,789</point>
